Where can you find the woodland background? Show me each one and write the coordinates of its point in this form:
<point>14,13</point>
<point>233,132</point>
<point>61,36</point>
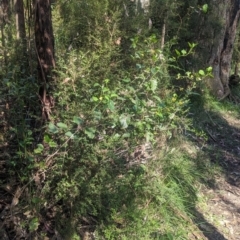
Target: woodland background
<point>105,114</point>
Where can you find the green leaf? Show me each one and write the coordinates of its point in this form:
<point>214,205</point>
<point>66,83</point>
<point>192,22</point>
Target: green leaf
<point>95,99</point>
<point>177,52</point>
<point>131,89</point>
<point>138,65</point>
<point>39,149</point>
<point>90,132</point>
<point>106,80</point>
<point>52,128</point>
<point>154,70</point>
<point>106,97</point>
<point>96,84</point>
<point>36,200</point>
<point>188,73</point>
<point>29,133</point>
<point>124,121</point>
<point>126,135</point>
<point>40,146</point>
<point>116,136</point>
<point>126,80</point>
<point>46,138</point>
<point>157,98</point>
<point>97,115</point>
<point>114,95</point>
<point>62,125</point>
<point>194,45</point>
<point>69,134</point>
<point>77,120</point>
<point>33,225</point>
<point>111,105</point>
<point>171,116</point>
<point>209,69</point>
<point>52,144</point>
<point>201,72</point>
<point>184,52</point>
<point>148,136</point>
<point>105,89</point>
<point>205,8</point>
<point>153,84</point>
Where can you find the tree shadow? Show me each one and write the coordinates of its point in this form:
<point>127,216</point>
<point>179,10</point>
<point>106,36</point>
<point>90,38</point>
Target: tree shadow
<point>208,230</point>
<point>190,199</point>
<point>222,148</point>
<point>223,145</point>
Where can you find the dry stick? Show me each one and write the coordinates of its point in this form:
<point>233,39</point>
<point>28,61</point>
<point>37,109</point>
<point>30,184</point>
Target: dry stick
<point>215,124</point>
<point>211,118</point>
<point>211,136</point>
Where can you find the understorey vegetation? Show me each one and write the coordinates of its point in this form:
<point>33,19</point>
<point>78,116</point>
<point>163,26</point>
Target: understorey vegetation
<point>105,119</point>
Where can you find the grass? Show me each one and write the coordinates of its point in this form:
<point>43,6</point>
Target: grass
<point>191,164</point>
<point>163,194</point>
<point>173,183</point>
<point>91,186</point>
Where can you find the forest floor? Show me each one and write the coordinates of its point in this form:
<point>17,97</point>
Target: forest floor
<point>218,215</point>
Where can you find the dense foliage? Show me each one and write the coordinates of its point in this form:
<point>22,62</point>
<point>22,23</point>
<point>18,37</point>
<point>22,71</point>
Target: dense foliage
<point>107,164</point>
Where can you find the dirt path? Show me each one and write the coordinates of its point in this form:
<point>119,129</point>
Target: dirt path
<point>221,211</point>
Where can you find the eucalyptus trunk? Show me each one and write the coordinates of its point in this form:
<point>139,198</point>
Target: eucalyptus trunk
<point>44,40</point>
<point>228,11</point>
<point>4,11</point>
<point>20,20</point>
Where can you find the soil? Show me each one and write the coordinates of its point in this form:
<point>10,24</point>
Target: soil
<point>219,217</point>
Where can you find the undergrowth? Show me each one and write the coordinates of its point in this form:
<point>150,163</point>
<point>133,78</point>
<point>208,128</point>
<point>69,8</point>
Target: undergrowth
<point>129,143</point>
<point>107,163</point>
<point>111,161</point>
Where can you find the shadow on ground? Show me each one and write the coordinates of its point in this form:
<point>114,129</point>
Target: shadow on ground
<point>223,149</point>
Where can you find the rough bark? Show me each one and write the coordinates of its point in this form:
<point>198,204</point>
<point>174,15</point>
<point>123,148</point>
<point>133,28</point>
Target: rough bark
<point>4,12</point>
<point>163,34</point>
<point>45,53</point>
<point>20,19</point>
<point>228,12</point>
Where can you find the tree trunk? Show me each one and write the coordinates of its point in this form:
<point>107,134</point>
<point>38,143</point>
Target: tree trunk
<point>20,20</point>
<point>45,53</point>
<point>222,52</point>
<point>163,34</point>
<point>4,12</point>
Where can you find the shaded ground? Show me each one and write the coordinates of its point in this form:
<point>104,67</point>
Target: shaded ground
<point>219,217</point>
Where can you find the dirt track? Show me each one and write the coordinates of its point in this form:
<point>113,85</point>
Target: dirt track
<point>221,211</point>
